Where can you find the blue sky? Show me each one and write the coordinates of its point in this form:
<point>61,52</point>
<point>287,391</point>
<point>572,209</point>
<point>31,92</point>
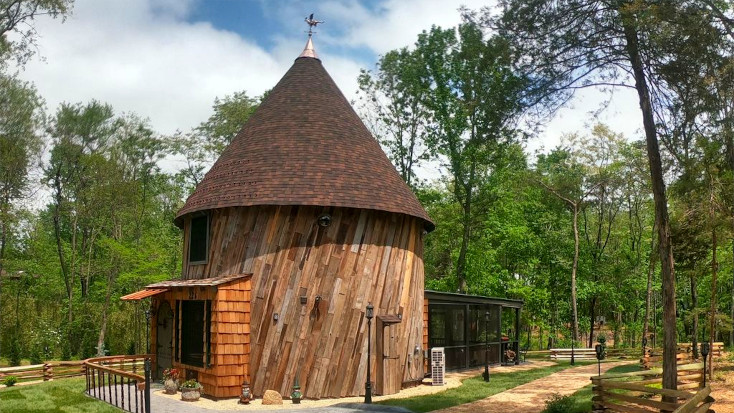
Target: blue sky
<point>167,60</point>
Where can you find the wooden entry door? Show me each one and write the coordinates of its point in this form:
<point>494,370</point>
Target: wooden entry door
<point>389,375</point>
<point>164,338</point>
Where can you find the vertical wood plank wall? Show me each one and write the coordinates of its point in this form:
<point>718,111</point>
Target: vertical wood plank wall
<point>230,335</point>
<point>363,256</point>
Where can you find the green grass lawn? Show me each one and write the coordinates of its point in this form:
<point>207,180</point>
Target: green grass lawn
<point>59,396</point>
<point>582,398</point>
<point>475,388</point>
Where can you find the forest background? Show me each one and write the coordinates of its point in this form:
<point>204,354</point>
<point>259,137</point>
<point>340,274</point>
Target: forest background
<point>571,231</point>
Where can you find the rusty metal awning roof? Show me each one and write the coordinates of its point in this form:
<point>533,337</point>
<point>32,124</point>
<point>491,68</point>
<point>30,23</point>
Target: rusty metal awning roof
<point>199,282</point>
<point>139,295</point>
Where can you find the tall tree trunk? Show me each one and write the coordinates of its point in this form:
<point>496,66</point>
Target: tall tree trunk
<point>103,326</point>
<point>670,372</point>
<point>3,241</point>
<point>466,230</point>
<point>694,308</point>
<point>648,296</point>
<point>591,322</point>
<point>573,271</point>
<point>59,249</point>
<point>714,276</point>
<point>729,133</point>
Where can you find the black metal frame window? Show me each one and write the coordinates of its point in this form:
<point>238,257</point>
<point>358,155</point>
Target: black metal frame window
<point>195,332</point>
<point>463,331</point>
<point>199,239</point>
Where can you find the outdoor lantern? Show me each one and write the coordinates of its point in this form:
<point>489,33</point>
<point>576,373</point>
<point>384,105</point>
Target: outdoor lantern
<point>704,352</point>
<point>705,349</point>
<point>368,384</point>
<point>324,220</point>
<point>599,355</point>
<point>296,395</point>
<point>246,395</point>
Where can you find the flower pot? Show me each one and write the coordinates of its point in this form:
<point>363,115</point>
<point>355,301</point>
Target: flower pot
<point>170,386</point>
<point>190,395</point>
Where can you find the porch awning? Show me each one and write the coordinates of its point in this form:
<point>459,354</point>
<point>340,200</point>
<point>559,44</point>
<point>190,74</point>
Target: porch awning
<point>139,295</point>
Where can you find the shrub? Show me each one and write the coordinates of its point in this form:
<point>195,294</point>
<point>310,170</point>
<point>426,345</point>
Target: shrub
<point>10,381</point>
<point>191,384</point>
<point>559,404</point>
<point>14,353</point>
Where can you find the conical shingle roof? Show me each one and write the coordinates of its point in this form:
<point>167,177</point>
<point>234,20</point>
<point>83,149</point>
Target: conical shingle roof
<point>305,145</point>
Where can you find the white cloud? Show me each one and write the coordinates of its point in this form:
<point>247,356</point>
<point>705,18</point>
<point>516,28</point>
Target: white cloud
<point>138,59</point>
<point>141,56</point>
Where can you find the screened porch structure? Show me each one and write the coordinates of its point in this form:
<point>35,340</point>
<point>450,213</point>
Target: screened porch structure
<point>465,324</point>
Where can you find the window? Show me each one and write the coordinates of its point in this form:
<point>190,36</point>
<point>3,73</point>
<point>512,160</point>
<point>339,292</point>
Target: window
<point>195,332</point>
<point>199,239</point>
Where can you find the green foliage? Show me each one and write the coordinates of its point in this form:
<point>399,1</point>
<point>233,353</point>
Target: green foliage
<point>558,404</point>
<point>10,381</point>
<point>190,384</point>
<point>17,31</point>
<point>15,351</point>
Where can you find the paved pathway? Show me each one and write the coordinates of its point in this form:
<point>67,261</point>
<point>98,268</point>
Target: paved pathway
<point>161,405</point>
<point>527,398</point>
<point>531,397</point>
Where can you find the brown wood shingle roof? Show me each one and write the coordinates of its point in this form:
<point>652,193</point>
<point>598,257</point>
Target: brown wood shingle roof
<point>305,145</point>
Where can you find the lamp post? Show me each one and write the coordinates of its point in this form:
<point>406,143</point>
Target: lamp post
<point>599,355</point>
<point>486,347</point>
<point>704,352</point>
<point>368,385</point>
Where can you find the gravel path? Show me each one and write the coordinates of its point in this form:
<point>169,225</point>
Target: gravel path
<point>531,397</point>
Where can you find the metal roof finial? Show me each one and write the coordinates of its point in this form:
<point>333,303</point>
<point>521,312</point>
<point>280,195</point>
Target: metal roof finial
<point>312,23</point>
<point>309,50</point>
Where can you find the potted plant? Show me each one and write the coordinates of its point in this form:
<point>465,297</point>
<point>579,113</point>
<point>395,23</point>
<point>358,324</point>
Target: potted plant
<point>190,390</point>
<point>170,380</point>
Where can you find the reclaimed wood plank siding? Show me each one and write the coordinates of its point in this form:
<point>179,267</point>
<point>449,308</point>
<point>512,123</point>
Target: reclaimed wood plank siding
<point>362,256</point>
<point>229,335</point>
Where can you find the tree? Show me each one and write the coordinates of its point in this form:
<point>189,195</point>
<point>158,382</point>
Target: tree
<point>473,100</point>
<point>568,45</point>
<point>21,123</point>
<point>16,17</point>
<point>203,144</point>
<point>393,102</point>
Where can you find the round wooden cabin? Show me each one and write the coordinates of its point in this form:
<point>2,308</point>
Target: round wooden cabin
<point>299,225</point>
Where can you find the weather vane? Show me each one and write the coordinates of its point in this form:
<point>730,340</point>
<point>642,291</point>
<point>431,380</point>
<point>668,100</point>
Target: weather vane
<point>312,23</point>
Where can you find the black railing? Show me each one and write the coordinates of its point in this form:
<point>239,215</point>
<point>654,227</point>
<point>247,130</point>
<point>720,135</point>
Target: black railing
<point>108,381</point>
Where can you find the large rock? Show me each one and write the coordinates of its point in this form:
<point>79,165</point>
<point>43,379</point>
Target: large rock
<point>272,397</point>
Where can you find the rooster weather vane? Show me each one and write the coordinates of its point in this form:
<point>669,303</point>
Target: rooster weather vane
<point>312,23</point>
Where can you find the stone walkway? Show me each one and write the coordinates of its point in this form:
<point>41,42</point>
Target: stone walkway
<point>531,397</point>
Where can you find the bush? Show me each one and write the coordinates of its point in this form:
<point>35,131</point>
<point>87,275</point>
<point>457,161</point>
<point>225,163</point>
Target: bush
<point>14,353</point>
<point>190,384</point>
<point>559,404</point>
<point>10,381</point>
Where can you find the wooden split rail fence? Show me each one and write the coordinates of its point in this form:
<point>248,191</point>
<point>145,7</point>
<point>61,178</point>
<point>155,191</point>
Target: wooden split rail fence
<point>638,392</point>
<point>684,356</point>
<point>66,369</point>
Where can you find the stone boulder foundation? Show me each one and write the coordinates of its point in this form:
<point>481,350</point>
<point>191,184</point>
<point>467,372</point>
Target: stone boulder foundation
<point>272,397</point>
